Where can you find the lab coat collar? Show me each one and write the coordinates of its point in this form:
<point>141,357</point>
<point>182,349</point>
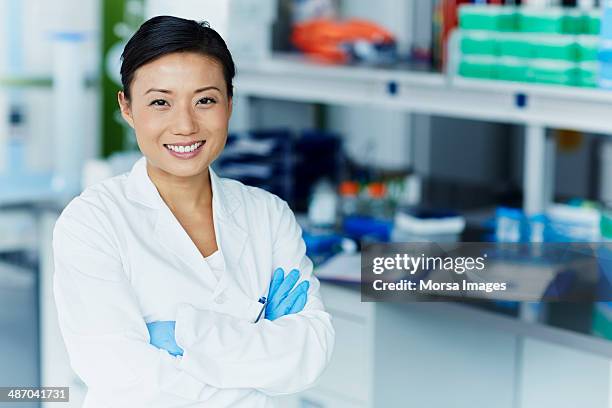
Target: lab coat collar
<point>141,189</point>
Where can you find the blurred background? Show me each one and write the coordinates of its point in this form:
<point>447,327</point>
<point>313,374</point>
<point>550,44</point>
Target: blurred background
<point>386,121</point>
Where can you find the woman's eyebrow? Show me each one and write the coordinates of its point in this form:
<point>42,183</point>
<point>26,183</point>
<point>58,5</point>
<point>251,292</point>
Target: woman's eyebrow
<point>158,90</point>
<point>206,88</point>
<point>169,92</point>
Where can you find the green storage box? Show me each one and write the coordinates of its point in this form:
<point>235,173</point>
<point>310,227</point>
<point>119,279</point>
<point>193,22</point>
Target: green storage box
<point>605,224</point>
<point>507,20</point>
<point>541,20</point>
<point>513,69</point>
<point>592,22</point>
<point>478,43</point>
<point>561,47</point>
<point>478,17</point>
<point>588,74</point>
<point>553,72</point>
<point>587,47</point>
<point>602,319</point>
<point>480,67</point>
<point>573,22</point>
<point>515,45</point>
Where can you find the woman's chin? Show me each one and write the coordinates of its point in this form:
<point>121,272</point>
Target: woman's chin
<point>186,170</point>
<point>182,168</point>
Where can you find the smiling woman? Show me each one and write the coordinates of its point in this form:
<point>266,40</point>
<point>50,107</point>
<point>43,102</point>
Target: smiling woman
<point>178,97</point>
<point>162,275</point>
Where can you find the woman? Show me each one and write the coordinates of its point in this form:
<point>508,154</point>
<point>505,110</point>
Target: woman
<point>161,274</point>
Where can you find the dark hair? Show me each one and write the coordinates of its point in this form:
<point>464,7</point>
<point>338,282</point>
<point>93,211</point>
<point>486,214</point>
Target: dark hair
<point>163,35</point>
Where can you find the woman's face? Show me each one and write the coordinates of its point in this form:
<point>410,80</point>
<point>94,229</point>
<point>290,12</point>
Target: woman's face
<point>179,110</point>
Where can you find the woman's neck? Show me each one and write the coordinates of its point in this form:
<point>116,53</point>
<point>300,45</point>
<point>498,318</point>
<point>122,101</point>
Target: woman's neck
<point>184,194</point>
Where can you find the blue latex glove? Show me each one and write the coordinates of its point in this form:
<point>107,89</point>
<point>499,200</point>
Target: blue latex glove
<point>162,336</point>
<point>281,299</point>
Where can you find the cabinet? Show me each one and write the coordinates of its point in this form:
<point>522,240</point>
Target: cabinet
<point>450,355</point>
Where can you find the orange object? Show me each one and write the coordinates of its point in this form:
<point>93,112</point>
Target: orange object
<point>349,188</point>
<point>377,190</point>
<point>326,40</point>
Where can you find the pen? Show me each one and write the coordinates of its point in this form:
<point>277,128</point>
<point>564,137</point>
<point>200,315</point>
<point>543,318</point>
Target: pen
<point>263,301</point>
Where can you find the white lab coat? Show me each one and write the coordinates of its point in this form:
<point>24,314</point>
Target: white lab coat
<point>123,260</point>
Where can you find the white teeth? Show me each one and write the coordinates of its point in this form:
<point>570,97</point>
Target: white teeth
<point>184,149</point>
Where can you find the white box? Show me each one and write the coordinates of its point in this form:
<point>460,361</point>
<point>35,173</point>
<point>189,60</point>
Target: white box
<point>245,25</point>
<point>250,41</point>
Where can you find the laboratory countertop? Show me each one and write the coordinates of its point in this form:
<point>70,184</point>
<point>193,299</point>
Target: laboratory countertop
<point>485,316</point>
<point>28,190</point>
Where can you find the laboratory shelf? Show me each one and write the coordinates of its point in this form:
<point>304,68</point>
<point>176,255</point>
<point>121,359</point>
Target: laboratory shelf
<point>20,201</point>
<point>292,77</point>
<point>27,190</point>
<point>38,81</point>
<point>553,106</point>
<point>26,81</point>
<point>18,230</point>
<point>535,106</point>
<point>17,242</point>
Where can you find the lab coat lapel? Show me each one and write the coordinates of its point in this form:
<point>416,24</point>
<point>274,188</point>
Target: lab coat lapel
<point>231,237</point>
<point>171,235</point>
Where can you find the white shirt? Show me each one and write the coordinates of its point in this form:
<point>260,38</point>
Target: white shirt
<point>123,260</point>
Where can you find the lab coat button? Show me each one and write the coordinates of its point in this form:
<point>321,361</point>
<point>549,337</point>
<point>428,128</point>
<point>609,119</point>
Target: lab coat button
<point>220,299</point>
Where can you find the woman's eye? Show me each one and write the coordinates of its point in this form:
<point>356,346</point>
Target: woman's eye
<point>207,101</point>
<point>155,102</point>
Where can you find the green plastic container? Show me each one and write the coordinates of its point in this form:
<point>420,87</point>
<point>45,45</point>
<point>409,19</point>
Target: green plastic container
<point>553,72</point>
<point>558,47</point>
<point>587,47</point>
<point>592,22</point>
<point>478,43</point>
<point>481,67</point>
<point>515,45</point>
<point>573,22</point>
<point>541,20</point>
<point>606,222</point>
<point>588,74</point>
<point>479,17</point>
<point>513,69</point>
<point>602,320</point>
<point>508,19</point>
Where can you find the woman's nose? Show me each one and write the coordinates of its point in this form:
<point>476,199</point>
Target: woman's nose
<point>184,122</point>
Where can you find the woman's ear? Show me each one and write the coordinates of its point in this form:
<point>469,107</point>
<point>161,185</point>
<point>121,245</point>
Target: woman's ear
<point>230,107</point>
<point>126,111</point>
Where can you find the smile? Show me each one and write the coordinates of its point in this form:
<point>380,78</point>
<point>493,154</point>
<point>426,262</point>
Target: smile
<point>183,148</point>
<point>185,151</point>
